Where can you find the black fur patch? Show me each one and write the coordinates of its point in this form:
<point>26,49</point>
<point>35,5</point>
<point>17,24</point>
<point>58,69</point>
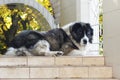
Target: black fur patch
<point>26,38</point>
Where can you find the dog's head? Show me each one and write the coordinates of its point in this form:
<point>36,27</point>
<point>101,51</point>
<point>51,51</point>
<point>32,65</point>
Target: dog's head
<point>82,33</point>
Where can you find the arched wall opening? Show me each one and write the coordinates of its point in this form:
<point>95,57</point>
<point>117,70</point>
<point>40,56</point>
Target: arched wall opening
<point>18,12</point>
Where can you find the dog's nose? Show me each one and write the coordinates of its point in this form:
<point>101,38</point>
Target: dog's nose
<point>84,41</point>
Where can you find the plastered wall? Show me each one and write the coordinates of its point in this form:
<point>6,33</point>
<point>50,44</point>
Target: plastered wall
<point>111,21</point>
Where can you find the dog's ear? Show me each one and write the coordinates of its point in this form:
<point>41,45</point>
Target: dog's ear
<point>75,29</point>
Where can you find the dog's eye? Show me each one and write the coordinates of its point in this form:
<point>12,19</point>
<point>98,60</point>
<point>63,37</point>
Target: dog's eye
<point>89,34</point>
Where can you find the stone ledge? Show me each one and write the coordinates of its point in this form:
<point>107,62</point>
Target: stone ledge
<point>58,79</point>
<point>40,61</point>
<point>100,72</point>
<point>14,73</point>
<point>10,61</point>
<point>57,72</point>
<point>52,61</point>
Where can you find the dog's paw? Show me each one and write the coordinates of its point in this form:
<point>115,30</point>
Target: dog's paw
<point>59,53</point>
<point>54,53</point>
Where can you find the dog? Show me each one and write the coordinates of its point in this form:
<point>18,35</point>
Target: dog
<point>54,42</point>
<point>73,39</point>
<point>82,36</point>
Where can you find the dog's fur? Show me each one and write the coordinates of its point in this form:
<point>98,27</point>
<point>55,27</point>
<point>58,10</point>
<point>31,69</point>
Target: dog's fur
<point>72,39</point>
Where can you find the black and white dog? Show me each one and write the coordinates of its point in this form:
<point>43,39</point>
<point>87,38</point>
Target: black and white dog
<point>71,39</point>
<point>52,43</point>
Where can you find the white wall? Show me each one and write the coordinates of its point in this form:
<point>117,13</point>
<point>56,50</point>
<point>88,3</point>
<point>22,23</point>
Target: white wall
<point>68,11</point>
<point>111,40</point>
<point>82,10</point>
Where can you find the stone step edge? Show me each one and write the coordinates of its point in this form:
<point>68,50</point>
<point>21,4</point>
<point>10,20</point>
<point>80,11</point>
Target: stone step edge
<point>50,56</point>
<point>63,72</point>
<point>19,66</point>
<point>55,79</point>
<point>47,61</point>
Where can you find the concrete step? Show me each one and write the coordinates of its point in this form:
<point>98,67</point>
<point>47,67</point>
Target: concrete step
<point>58,79</point>
<point>52,61</point>
<point>57,72</point>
